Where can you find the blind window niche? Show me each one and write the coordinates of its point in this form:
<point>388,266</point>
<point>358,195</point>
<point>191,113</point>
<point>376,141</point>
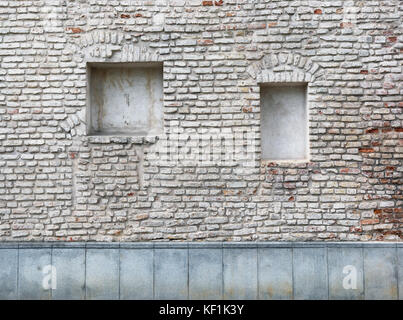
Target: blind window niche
<point>125,99</point>
<point>284,122</point>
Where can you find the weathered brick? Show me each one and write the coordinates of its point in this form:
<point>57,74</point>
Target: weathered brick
<point>207,181</point>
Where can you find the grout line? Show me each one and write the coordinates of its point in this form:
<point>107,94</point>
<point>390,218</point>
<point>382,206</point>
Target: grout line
<point>51,270</point>
<point>153,273</point>
<point>397,264</point>
<point>327,273</point>
<point>292,273</point>
<point>18,272</point>
<point>257,274</point>
<point>140,167</point>
<point>363,272</point>
<point>188,274</point>
<point>222,272</point>
<point>119,297</point>
<point>85,273</point>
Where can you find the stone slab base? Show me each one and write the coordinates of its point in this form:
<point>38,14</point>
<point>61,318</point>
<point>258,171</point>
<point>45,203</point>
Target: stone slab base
<point>316,270</point>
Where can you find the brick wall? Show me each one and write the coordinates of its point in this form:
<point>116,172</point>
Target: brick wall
<point>204,179</point>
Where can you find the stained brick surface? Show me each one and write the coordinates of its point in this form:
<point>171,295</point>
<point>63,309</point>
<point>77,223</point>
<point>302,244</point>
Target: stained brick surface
<point>57,183</point>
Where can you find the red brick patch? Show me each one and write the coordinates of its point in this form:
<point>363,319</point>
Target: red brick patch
<point>228,192</point>
<point>207,3</point>
<point>318,11</point>
<point>125,16</point>
<point>346,25</point>
<point>75,30</point>
<point>370,221</point>
<point>374,130</point>
<point>366,150</point>
<point>205,42</point>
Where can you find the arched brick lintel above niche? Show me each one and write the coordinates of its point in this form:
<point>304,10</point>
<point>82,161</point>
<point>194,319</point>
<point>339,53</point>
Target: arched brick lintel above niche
<point>112,46</point>
<point>285,67</point>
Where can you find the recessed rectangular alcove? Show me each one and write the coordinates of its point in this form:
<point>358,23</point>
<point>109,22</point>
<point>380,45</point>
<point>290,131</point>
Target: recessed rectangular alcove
<point>284,122</point>
<point>125,99</point>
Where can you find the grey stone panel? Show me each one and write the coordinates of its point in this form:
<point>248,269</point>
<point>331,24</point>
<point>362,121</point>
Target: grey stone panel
<point>171,274</point>
<point>240,274</point>
<point>102,274</point>
<point>205,274</point>
<point>275,273</point>
<point>346,277</point>
<point>210,271</point>
<point>136,274</point>
<point>310,274</point>
<point>8,274</point>
<point>71,245</point>
<point>380,265</point>
<point>136,245</point>
<point>205,245</point>
<point>70,270</point>
<point>32,273</point>
<point>400,271</point>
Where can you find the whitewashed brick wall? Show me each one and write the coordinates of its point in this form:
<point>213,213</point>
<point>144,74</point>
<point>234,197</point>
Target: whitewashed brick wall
<point>57,183</point>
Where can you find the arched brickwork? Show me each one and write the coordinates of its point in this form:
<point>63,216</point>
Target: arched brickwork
<point>285,67</point>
